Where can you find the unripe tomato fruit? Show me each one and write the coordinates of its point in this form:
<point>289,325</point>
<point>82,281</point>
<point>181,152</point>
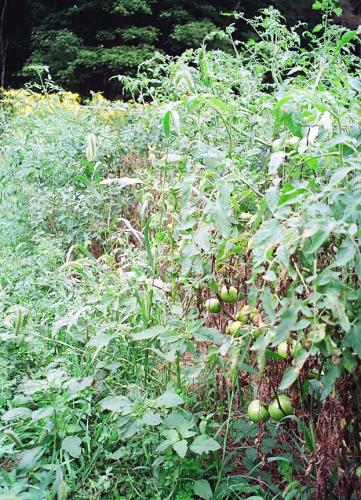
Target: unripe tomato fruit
<point>282,350</point>
<point>243,314</point>
<point>229,295</point>
<point>257,412</point>
<point>213,305</point>
<point>234,328</point>
<point>276,411</point>
<point>254,312</point>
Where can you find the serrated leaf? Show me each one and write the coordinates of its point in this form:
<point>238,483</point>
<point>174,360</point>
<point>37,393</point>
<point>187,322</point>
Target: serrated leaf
<point>203,489</point>
<point>204,444</point>
<point>71,444</point>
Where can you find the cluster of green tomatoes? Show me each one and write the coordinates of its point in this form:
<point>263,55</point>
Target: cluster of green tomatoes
<point>229,295</point>
<point>281,406</point>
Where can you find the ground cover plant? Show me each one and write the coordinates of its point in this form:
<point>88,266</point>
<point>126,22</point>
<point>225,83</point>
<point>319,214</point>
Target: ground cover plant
<point>180,276</point>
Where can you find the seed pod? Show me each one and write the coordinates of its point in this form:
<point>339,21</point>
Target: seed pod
<point>91,147</point>
<point>62,492</point>
<point>13,436</point>
<point>183,78</point>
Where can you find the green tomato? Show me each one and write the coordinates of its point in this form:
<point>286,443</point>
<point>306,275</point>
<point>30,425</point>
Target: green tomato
<point>229,295</point>
<point>254,313</point>
<point>243,314</point>
<point>358,471</point>
<point>278,412</point>
<point>235,328</point>
<point>213,305</point>
<point>257,332</point>
<point>282,350</point>
<point>257,412</point>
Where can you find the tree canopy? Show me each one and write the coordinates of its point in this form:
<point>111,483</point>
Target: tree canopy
<point>85,42</point>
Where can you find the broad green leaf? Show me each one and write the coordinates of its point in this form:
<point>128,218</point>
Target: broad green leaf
<point>269,303</point>
<point>181,447</point>
<point>169,399</point>
<point>71,444</point>
<point>328,380</point>
<point>16,413</point>
<point>29,457</point>
<point>203,489</point>
<point>77,385</point>
<point>202,236</point>
<point>287,324</point>
<point>101,340</point>
<point>204,334</point>
<point>118,404</point>
<point>353,339</point>
<point>151,418</point>
<point>349,362</point>
<point>204,444</point>
<point>292,373</point>
<point>317,240</point>
<point>42,413</point>
<point>171,435</point>
<point>150,333</point>
<point>289,377</point>
<point>177,421</point>
<point>345,253</point>
<point>270,276</point>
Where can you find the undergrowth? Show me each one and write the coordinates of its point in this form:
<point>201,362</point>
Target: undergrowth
<point>236,176</point>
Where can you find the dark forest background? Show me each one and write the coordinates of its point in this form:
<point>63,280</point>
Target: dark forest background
<point>85,42</point>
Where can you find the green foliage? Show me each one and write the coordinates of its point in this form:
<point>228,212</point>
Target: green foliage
<point>71,38</point>
<point>119,221</point>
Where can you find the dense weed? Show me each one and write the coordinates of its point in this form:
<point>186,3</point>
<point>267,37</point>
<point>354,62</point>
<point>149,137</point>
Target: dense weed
<point>118,222</point>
